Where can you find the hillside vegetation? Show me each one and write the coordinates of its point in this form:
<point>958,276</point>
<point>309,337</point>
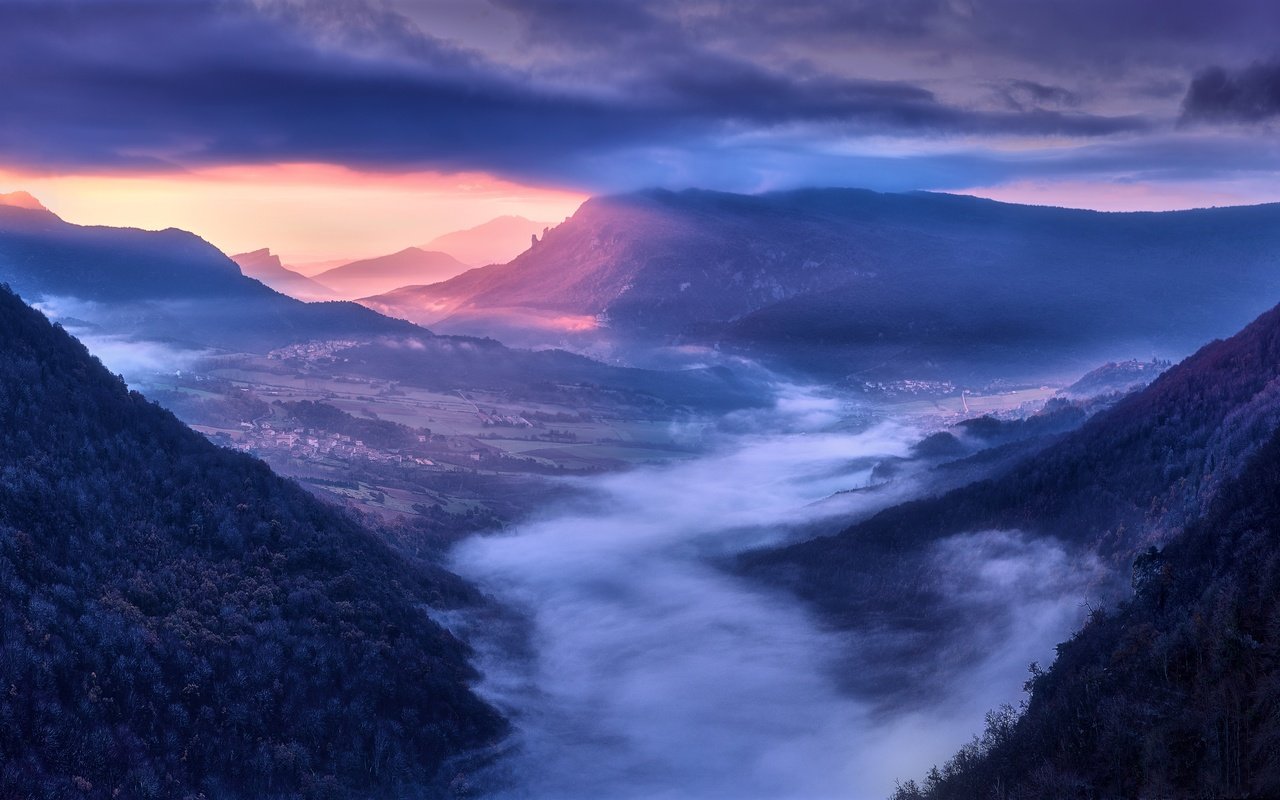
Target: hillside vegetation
<point>177,621</point>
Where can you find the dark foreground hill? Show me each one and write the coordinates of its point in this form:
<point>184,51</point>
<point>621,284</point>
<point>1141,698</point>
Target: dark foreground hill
<point>840,282</point>
<point>1174,694</point>
<point>177,621</point>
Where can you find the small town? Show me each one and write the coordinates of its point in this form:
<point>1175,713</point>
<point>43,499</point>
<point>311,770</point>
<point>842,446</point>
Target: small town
<point>445,453</point>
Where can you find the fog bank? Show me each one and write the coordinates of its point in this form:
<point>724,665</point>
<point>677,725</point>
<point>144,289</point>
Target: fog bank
<point>650,671</point>
<point>128,356</point>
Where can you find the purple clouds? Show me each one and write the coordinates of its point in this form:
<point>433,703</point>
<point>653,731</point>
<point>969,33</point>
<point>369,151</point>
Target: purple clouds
<point>615,94</point>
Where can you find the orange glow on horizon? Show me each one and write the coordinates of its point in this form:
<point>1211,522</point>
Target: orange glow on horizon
<point>303,212</point>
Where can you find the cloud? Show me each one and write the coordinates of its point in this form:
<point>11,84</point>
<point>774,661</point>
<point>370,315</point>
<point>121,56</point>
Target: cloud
<point>605,96</point>
<point>133,358</point>
<point>1023,94</point>
<point>163,85</point>
<point>1251,94</point>
<point>138,359</point>
<point>1072,39</point>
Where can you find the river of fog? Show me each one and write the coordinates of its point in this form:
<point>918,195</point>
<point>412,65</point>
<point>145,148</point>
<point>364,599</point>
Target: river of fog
<point>650,671</point>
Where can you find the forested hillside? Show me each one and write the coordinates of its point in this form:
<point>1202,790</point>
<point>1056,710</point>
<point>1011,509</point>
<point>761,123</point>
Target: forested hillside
<point>1174,694</point>
<point>1130,476</point>
<point>177,621</point>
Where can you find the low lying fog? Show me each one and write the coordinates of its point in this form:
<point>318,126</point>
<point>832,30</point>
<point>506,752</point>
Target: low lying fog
<point>124,355</point>
<point>652,672</point>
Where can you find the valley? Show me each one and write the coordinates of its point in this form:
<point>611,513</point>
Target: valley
<point>464,460</point>
<point>481,457</point>
<point>680,400</point>
<point>604,536</point>
<point>701,546</point>
<point>639,667</point>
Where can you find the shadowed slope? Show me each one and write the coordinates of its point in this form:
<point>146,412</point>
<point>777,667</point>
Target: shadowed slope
<point>1130,476</point>
<point>1176,693</point>
<point>166,284</point>
<point>840,282</point>
<point>176,619</point>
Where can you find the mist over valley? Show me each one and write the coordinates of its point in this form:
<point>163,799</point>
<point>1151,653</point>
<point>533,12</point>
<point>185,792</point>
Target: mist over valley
<point>679,400</point>
<point>691,579</point>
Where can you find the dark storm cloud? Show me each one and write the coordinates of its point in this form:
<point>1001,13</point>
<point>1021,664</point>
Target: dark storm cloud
<point>1095,33</point>
<point>608,94</point>
<point>1022,94</point>
<point>109,84</point>
<point>1250,94</point>
<point>213,82</point>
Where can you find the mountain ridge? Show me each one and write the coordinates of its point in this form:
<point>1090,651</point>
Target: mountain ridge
<point>175,288</point>
<point>836,282</point>
<point>412,265</point>
<point>1129,477</point>
<point>265,266</point>
<point>168,285</point>
<point>494,242</point>
<point>21,199</point>
<point>1171,690</point>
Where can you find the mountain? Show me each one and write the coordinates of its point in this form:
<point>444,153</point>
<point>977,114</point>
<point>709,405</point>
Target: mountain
<point>263,265</point>
<point>22,200</point>
<point>840,282</point>
<point>411,266</point>
<point>174,287</point>
<point>1172,694</point>
<point>1129,477</point>
<point>1122,377</point>
<point>165,285</point>
<point>308,268</point>
<point>178,621</point>
<point>495,242</point>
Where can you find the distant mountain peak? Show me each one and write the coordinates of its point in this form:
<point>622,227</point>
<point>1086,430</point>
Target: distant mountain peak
<point>494,242</point>
<point>265,266</point>
<point>412,266</point>
<point>262,256</point>
<point>22,200</point>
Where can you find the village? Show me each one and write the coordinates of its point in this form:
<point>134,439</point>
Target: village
<point>311,443</point>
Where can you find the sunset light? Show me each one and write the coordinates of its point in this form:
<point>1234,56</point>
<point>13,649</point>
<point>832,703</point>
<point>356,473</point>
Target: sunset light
<point>304,212</point>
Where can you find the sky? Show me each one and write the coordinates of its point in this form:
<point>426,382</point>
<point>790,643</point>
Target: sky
<point>333,128</point>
